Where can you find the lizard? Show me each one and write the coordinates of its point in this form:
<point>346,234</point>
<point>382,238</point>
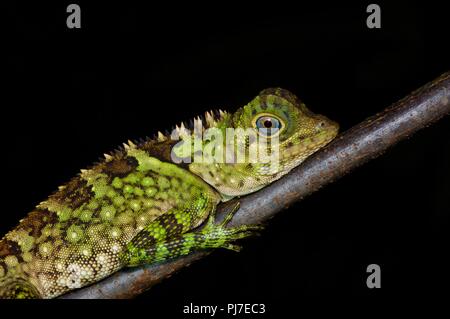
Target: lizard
<point>151,201</point>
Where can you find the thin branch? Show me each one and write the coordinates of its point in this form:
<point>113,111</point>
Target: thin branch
<point>360,144</point>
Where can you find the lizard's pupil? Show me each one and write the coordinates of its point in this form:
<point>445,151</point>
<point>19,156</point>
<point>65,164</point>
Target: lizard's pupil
<point>269,125</point>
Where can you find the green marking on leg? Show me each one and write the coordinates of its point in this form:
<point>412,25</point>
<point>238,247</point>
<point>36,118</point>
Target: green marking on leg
<point>188,244</point>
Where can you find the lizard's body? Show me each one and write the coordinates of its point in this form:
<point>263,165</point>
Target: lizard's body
<point>137,206</point>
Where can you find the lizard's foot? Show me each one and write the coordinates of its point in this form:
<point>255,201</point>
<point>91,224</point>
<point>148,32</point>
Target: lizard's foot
<point>220,236</point>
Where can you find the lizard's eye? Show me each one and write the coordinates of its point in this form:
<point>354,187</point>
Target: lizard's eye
<point>268,125</point>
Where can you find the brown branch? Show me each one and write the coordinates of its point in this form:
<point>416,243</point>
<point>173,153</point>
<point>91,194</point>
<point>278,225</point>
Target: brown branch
<point>360,144</point>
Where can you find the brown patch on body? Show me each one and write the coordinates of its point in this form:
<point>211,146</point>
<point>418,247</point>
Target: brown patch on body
<point>120,167</point>
<point>9,247</point>
<point>36,220</point>
<point>74,194</point>
<point>161,150</point>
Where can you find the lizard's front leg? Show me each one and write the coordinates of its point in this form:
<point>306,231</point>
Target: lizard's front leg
<point>152,246</point>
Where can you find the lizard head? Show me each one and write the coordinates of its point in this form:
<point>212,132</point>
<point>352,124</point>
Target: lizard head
<point>274,133</point>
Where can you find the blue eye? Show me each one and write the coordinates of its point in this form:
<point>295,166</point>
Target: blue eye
<point>268,125</point>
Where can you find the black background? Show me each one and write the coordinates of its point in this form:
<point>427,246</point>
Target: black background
<point>131,71</point>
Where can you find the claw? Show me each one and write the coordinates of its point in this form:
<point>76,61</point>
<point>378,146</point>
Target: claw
<point>227,235</point>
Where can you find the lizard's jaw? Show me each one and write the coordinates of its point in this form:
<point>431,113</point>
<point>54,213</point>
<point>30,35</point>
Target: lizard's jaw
<point>293,154</point>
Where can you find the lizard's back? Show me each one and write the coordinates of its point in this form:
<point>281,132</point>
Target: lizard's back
<point>75,238</point>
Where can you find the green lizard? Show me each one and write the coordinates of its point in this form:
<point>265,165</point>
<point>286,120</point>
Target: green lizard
<point>145,203</point>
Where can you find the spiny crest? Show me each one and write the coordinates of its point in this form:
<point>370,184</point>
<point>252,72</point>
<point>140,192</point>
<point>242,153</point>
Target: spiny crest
<point>119,151</point>
<point>198,125</point>
<point>129,145</point>
<point>180,131</point>
<point>210,120</point>
<point>161,137</point>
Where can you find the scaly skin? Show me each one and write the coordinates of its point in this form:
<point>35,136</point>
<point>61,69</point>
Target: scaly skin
<point>141,205</point>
